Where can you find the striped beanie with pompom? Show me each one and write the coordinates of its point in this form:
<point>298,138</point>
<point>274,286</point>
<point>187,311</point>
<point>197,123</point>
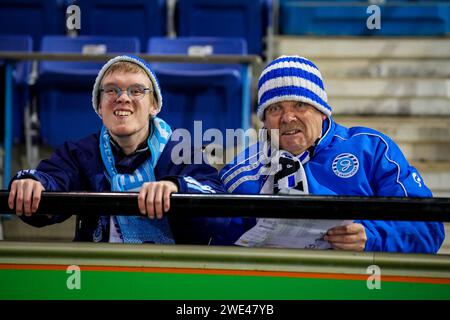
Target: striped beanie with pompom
<point>291,78</point>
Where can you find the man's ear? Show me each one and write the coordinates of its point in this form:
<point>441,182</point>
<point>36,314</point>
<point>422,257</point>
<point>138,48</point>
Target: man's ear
<point>99,110</point>
<point>99,106</point>
<point>324,117</point>
<point>153,109</point>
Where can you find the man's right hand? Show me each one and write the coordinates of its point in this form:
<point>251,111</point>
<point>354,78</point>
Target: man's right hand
<point>25,195</point>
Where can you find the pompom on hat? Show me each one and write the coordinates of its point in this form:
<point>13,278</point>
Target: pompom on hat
<point>128,58</point>
<point>291,78</point>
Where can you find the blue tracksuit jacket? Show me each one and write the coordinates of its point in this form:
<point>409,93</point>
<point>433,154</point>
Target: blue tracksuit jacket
<point>77,166</point>
<point>347,161</point>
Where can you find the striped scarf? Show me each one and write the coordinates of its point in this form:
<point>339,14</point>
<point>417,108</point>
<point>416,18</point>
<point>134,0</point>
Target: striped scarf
<point>288,175</point>
<point>136,229</point>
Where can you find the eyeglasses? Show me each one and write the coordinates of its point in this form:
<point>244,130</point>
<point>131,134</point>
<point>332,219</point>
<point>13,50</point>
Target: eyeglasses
<point>134,92</point>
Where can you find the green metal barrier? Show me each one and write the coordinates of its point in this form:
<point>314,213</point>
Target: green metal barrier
<point>126,271</point>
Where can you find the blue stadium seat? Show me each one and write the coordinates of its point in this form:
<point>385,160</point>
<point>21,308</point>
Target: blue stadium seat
<point>65,87</point>
<point>403,18</point>
<point>32,17</point>
<point>21,75</point>
<point>131,18</point>
<point>225,18</point>
<point>212,93</point>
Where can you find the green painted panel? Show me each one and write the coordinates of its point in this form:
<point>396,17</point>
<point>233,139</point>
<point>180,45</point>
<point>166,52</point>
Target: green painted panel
<point>46,284</point>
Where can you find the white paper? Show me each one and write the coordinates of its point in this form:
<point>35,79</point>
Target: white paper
<point>289,233</point>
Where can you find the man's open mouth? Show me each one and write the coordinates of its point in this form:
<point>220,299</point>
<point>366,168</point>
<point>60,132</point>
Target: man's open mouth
<point>291,132</point>
<point>122,113</point>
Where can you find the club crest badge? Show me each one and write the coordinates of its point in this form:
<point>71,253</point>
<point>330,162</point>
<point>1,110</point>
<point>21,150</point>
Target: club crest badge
<point>345,165</point>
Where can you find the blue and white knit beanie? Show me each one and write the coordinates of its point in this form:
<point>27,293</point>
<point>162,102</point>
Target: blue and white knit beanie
<point>133,59</point>
<point>291,78</point>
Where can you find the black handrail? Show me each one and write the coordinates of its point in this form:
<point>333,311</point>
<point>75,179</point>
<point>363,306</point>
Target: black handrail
<point>228,205</point>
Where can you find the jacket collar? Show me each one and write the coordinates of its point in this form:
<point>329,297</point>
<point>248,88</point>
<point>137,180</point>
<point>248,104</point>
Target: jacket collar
<point>329,126</point>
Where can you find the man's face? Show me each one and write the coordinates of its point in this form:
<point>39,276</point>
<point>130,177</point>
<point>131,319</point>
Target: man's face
<point>299,124</point>
<point>126,117</point>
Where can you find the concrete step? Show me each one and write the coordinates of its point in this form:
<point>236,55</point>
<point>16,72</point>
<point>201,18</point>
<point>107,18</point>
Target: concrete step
<point>419,138</point>
<point>438,182</point>
<point>425,151</point>
<point>379,76</point>
<point>391,106</point>
<point>388,88</point>
<point>363,47</point>
<point>436,176</point>
<point>403,128</point>
<point>383,68</point>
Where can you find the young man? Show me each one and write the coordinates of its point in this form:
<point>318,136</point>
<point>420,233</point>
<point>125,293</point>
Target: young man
<point>131,153</point>
<point>319,156</point>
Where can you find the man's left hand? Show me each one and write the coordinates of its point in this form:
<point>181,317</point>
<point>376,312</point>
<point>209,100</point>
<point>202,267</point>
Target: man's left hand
<point>154,198</point>
<point>351,237</point>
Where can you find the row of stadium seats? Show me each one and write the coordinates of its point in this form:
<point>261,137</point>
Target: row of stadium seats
<point>248,19</point>
<point>212,93</point>
<point>348,18</point>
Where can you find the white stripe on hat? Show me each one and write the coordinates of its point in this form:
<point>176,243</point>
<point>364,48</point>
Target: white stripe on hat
<point>292,64</point>
<point>290,74</point>
<point>291,81</point>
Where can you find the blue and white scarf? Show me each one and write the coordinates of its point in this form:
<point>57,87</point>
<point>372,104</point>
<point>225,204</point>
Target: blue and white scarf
<point>136,229</point>
<point>287,174</point>
<point>284,172</point>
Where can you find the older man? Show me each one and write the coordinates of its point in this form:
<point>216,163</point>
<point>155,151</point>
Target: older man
<point>131,153</point>
<point>319,156</point>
